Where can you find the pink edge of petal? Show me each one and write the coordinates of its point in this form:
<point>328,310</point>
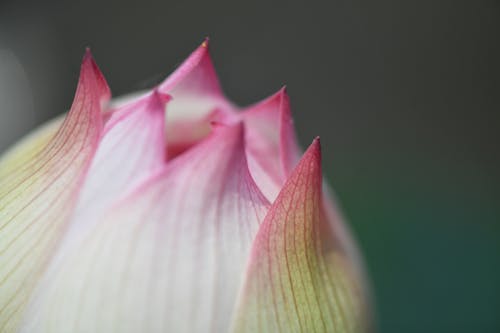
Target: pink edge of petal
<point>289,148</point>
<point>290,151</point>
<point>220,133</point>
<point>102,86</point>
<point>154,101</point>
<point>144,155</point>
<point>80,131</point>
<point>161,97</point>
<point>226,143</point>
<point>262,105</point>
<point>308,166</point>
<point>91,83</point>
<point>224,131</point>
<point>199,59</point>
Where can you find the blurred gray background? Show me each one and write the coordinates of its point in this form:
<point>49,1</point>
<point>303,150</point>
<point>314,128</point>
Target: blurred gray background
<point>405,97</point>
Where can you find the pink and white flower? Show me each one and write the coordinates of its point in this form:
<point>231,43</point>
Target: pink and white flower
<point>173,211</point>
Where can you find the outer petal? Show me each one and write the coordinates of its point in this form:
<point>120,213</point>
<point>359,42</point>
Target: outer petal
<point>196,75</point>
<point>169,257</point>
<point>37,197</point>
<point>298,279</point>
<point>271,144</point>
<point>131,150</point>
<point>26,149</point>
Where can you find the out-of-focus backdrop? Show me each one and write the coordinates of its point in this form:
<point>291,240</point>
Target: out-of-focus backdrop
<point>404,94</point>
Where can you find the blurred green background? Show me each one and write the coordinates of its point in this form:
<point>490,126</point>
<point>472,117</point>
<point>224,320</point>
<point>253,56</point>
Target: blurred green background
<point>404,94</point>
<point>431,240</point>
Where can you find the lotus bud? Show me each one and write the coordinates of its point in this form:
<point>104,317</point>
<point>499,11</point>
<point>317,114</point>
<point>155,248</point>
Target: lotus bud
<point>173,210</point>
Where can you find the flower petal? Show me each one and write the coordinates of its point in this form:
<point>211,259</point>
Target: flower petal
<point>37,198</point>
<point>271,144</point>
<point>196,94</point>
<point>28,147</point>
<point>195,76</point>
<point>298,279</point>
<point>169,257</point>
<point>132,148</point>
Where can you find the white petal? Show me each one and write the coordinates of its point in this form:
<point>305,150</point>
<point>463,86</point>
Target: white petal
<point>168,258</point>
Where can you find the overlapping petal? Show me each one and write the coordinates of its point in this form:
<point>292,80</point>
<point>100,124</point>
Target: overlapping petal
<point>298,278</point>
<point>131,150</point>
<point>38,194</point>
<point>168,257</point>
<point>130,220</point>
<point>271,144</point>
<point>197,100</point>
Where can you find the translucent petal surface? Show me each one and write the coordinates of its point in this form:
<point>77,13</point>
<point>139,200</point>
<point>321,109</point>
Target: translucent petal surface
<point>37,196</point>
<point>272,149</point>
<point>131,150</point>
<point>271,144</point>
<point>120,222</point>
<point>197,100</point>
<point>298,280</point>
<point>26,149</point>
<point>169,257</point>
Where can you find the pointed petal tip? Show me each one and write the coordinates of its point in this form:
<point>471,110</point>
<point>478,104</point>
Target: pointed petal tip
<point>89,61</point>
<point>196,73</point>
<point>280,94</point>
<point>314,150</point>
<point>317,141</point>
<point>157,101</point>
<point>161,97</point>
<point>310,163</point>
<point>88,58</point>
<point>294,241</point>
<point>201,51</point>
<point>282,97</point>
<point>88,54</point>
<point>89,66</point>
<point>272,103</point>
<point>284,92</point>
<point>206,42</point>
